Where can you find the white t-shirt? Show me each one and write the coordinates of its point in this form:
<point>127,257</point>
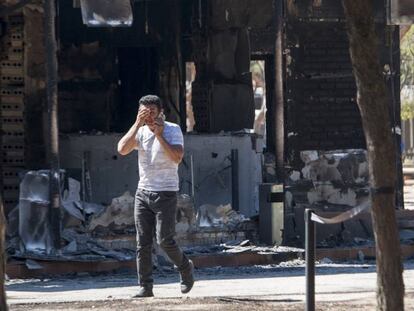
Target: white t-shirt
<point>157,172</point>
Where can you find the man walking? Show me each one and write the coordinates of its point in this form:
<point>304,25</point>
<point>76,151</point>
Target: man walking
<point>160,150</point>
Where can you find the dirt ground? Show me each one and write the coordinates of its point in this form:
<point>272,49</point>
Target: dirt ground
<point>200,304</point>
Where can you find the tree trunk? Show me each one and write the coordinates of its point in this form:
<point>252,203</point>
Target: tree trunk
<point>373,105</point>
<point>3,303</point>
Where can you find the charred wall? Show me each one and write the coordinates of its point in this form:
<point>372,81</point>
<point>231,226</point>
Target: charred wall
<point>221,49</point>
<point>105,71</point>
<point>12,102</point>
<point>322,109</point>
<point>87,87</point>
<point>326,165</point>
<point>91,88</point>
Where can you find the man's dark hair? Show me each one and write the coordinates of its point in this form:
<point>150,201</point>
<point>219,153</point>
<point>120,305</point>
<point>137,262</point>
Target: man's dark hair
<point>151,100</point>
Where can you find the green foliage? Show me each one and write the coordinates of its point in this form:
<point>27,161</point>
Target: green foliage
<point>407,59</point>
<point>407,75</point>
<point>407,110</point>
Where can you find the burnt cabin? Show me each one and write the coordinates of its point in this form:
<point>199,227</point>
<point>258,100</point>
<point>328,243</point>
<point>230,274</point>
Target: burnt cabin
<point>198,55</point>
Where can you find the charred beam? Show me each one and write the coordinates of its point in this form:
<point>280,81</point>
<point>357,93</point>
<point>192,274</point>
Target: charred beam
<point>52,112</point>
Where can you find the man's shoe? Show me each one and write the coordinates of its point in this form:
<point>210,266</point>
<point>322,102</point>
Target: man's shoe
<point>187,279</point>
<point>144,292</point>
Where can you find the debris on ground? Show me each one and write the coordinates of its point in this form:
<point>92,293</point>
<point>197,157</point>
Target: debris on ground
<point>95,232</point>
<point>209,215</point>
<point>233,247</point>
<point>118,215</point>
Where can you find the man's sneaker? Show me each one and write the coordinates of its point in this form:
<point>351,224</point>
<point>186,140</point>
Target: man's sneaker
<point>143,292</point>
<point>187,278</point>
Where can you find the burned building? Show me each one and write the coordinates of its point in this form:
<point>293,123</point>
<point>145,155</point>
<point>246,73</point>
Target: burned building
<point>312,145</point>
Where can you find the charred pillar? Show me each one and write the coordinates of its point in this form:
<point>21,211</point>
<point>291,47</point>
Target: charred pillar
<point>279,96</point>
<point>52,109</point>
<point>171,70</point>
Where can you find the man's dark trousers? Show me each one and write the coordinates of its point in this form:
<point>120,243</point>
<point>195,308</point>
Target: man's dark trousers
<point>155,213</point>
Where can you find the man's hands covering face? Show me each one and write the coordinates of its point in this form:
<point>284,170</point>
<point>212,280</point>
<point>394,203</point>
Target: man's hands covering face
<point>149,117</point>
<point>142,116</point>
<point>158,127</point>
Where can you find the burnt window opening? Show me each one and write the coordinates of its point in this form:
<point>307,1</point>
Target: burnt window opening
<point>262,71</point>
<point>190,73</point>
<point>257,68</point>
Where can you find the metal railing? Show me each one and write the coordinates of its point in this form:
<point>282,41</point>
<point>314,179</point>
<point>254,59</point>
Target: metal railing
<point>310,244</point>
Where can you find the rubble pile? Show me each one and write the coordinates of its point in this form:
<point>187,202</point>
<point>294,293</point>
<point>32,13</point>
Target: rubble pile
<point>96,232</point>
<point>216,216</point>
<point>246,246</point>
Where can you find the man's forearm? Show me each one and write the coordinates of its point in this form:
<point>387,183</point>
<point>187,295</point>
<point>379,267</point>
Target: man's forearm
<point>174,152</point>
<point>128,141</point>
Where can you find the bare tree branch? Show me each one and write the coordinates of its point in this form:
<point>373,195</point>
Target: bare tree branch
<point>7,10</point>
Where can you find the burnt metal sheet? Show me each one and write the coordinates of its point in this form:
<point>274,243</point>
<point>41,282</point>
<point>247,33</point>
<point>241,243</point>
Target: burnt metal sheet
<point>107,13</point>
